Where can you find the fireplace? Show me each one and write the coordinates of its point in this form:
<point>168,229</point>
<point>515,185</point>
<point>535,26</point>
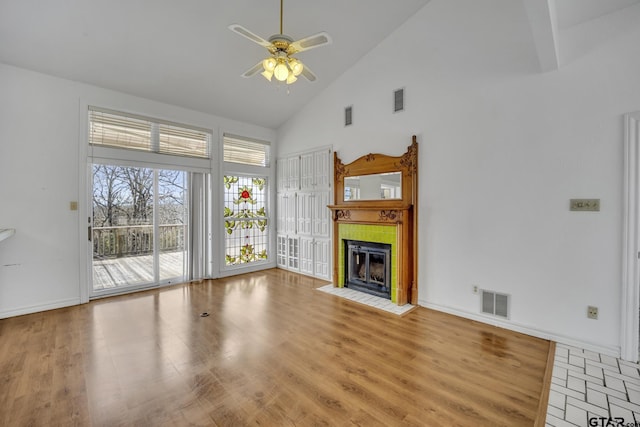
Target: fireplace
<point>388,267</point>
<point>368,267</point>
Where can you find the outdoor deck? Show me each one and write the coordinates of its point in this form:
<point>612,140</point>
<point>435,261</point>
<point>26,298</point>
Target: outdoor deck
<point>135,270</point>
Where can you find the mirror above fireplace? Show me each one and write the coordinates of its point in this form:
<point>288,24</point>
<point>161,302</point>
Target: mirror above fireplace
<point>378,186</point>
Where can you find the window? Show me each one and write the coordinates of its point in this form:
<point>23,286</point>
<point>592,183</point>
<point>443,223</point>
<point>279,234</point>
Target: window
<point>119,130</point>
<point>246,151</point>
<point>245,219</point>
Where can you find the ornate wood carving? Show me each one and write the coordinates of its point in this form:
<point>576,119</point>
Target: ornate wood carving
<point>338,168</point>
<point>343,214</point>
<point>391,215</point>
<point>398,213</point>
<point>409,160</point>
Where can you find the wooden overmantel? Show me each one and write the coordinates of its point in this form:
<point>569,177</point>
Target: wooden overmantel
<point>401,213</point>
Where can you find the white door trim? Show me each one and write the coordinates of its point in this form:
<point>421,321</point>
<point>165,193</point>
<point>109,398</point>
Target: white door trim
<point>85,277</point>
<point>630,302</point>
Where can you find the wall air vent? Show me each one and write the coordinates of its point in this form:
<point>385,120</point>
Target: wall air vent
<point>348,115</point>
<point>495,304</point>
<point>398,100</point>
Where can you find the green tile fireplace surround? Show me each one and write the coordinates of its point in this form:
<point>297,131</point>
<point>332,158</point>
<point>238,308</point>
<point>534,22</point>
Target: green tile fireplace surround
<point>369,233</point>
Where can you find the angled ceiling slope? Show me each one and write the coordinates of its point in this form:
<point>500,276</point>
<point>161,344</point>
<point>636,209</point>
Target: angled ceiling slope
<point>549,18</point>
<point>182,53</point>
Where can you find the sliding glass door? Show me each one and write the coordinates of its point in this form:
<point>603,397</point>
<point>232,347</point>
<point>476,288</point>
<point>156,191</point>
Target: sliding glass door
<point>172,222</point>
<point>140,227</point>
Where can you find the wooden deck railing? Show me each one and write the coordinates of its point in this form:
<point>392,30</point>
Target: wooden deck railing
<point>131,240</point>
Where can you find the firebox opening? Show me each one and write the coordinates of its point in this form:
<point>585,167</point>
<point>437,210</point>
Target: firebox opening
<point>368,267</point>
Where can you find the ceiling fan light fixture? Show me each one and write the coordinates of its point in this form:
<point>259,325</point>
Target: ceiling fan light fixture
<point>296,66</point>
<point>269,64</point>
<point>281,72</point>
<point>291,78</point>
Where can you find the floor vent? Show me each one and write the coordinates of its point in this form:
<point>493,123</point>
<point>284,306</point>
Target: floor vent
<point>398,100</point>
<point>348,116</point>
<point>495,304</point>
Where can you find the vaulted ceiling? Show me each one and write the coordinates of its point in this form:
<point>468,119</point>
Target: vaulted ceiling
<point>182,53</point>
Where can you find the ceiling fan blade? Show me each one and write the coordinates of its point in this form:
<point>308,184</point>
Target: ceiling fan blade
<point>253,70</point>
<point>310,42</point>
<point>239,29</point>
<point>308,74</point>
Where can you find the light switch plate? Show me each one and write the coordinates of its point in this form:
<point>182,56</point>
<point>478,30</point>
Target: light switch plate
<point>73,206</point>
<point>588,205</point>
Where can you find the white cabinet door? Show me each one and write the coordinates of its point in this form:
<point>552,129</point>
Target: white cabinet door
<point>322,178</point>
<point>293,173</point>
<point>321,258</point>
<point>307,171</point>
<point>281,213</point>
<point>321,213</point>
<point>288,173</point>
<point>290,212</point>
<point>293,253</point>
<point>281,251</point>
<point>314,171</point>
<point>305,213</point>
<point>286,213</point>
<point>306,255</point>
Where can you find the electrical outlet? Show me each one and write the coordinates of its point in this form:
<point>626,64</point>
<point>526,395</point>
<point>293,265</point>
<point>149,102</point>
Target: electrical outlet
<point>475,289</point>
<point>592,312</point>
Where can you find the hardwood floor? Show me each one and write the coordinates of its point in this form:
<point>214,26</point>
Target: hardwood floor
<point>272,352</point>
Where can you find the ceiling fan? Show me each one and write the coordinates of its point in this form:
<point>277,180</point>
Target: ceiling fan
<point>281,64</point>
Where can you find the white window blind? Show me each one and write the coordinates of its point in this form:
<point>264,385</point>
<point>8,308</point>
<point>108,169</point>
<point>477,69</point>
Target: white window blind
<point>246,151</point>
<point>119,130</point>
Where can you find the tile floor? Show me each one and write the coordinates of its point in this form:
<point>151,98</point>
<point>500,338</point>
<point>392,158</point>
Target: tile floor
<point>370,300</point>
<point>592,389</point>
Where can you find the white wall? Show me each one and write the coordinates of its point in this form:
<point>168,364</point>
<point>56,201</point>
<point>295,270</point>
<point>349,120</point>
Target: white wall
<point>503,147</point>
<point>40,133</point>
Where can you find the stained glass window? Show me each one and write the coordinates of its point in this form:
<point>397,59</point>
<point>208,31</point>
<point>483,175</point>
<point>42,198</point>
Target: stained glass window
<point>245,220</point>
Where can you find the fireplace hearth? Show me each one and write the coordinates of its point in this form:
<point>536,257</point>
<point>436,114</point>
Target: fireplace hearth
<point>368,267</point>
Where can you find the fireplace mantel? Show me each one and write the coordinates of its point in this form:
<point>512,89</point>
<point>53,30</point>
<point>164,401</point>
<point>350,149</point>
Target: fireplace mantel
<point>400,214</point>
<point>371,213</point>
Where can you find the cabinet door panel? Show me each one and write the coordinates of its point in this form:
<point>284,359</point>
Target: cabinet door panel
<point>293,253</point>
<point>321,258</point>
<point>281,251</point>
<point>281,212</point>
<point>321,169</point>
<point>321,213</point>
<point>305,212</point>
<point>306,255</point>
<point>293,173</point>
<point>307,174</point>
<point>290,213</point>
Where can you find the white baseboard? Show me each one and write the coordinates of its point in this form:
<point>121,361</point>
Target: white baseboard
<point>237,270</point>
<point>39,307</point>
<point>613,351</point>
